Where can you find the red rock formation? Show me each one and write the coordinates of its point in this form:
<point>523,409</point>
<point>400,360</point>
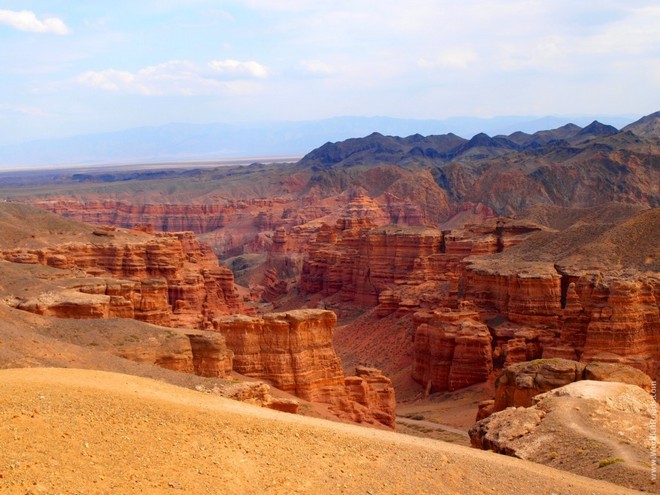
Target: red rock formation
<point>370,398</point>
<point>200,353</point>
<point>616,319</point>
<point>172,279</point>
<point>525,293</point>
<point>294,352</point>
<point>363,263</point>
<point>451,350</point>
<point>210,356</point>
<point>517,385</point>
<point>360,261</point>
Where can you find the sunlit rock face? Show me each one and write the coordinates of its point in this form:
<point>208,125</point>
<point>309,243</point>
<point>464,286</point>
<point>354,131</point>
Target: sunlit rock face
<point>293,350</point>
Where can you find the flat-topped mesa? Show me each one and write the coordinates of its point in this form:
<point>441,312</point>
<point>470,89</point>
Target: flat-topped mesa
<point>294,351</point>
<point>168,279</point>
<point>451,350</point>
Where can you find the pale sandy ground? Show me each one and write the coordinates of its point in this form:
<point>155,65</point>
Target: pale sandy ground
<point>66,431</point>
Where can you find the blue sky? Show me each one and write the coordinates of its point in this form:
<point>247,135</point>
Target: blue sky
<point>71,67</point>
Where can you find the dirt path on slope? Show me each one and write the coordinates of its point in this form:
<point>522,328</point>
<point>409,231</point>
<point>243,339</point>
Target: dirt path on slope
<point>432,425</point>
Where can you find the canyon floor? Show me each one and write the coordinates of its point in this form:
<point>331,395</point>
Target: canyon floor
<point>113,433</point>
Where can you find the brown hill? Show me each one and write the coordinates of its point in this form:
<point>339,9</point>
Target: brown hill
<point>648,126</point>
<point>609,237</point>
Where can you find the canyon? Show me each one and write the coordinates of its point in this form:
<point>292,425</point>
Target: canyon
<point>375,270</point>
<point>171,280</point>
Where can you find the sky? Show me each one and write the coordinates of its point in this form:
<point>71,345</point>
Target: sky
<point>74,67</point>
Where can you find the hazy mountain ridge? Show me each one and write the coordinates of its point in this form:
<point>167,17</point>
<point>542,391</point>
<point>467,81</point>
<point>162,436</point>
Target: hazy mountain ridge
<point>173,142</point>
<point>435,174</point>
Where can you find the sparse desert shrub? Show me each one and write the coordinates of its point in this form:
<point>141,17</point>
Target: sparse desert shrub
<point>607,462</point>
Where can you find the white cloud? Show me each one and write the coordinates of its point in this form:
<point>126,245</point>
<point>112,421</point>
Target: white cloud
<point>237,69</point>
<point>26,20</point>
<point>180,77</point>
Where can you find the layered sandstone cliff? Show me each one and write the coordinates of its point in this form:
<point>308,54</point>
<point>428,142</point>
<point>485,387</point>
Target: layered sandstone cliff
<point>200,353</point>
<point>451,350</point>
<point>168,279</point>
<point>362,261</point>
<point>612,318</point>
<point>535,310</point>
<point>294,352</point>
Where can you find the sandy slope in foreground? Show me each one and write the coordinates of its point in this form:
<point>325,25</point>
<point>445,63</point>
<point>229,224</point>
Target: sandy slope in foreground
<point>80,431</point>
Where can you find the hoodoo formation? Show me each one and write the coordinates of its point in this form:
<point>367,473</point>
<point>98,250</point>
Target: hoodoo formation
<point>515,275</point>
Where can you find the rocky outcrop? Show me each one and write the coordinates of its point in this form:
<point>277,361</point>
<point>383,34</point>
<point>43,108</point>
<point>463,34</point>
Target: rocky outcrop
<point>613,318</point>
<point>68,304</point>
<point>524,293</point>
<point>451,350</point>
<point>210,355</point>
<point>517,385</point>
<point>294,352</point>
<point>258,394</point>
<point>597,429</point>
<point>614,372</point>
<point>291,350</point>
<point>168,279</point>
<point>200,353</point>
<point>371,398</point>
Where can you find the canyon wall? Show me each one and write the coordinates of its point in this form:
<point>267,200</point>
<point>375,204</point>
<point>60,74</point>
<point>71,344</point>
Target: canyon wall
<point>612,318</point>
<point>294,351</point>
<point>451,350</point>
<point>167,279</point>
<point>360,261</point>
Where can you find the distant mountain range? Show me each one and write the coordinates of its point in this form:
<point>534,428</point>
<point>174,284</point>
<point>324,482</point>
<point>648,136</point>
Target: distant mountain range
<point>174,142</point>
